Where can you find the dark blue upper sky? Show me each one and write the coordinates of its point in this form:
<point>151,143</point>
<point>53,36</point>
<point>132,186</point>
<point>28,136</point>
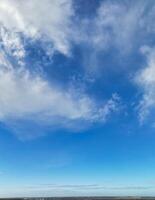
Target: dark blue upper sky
<point>77,97</point>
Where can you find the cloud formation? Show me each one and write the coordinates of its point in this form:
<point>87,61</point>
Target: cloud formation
<point>46,20</point>
<point>116,24</point>
<point>24,95</point>
<point>145,79</point>
<point>27,96</point>
<point>113,29</point>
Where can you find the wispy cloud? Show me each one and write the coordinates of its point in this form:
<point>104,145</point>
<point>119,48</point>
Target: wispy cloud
<point>145,78</point>
<point>93,187</point>
<point>117,25</point>
<point>114,27</point>
<point>26,96</point>
<point>72,189</point>
<point>50,21</point>
<point>30,97</point>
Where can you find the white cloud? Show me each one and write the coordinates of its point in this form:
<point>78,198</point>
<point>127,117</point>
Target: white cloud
<point>118,22</point>
<point>48,20</point>
<point>12,45</point>
<point>114,26</point>
<point>23,93</point>
<point>127,26</point>
<point>27,96</point>
<point>145,78</point>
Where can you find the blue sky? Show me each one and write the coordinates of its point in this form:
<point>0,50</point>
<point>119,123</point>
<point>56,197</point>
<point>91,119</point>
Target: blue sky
<point>77,97</point>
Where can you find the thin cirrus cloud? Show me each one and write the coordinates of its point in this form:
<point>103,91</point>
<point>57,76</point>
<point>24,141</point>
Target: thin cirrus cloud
<point>71,189</point>
<point>120,23</point>
<point>117,25</point>
<point>145,79</point>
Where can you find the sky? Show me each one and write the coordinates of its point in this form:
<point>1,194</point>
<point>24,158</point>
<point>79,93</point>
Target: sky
<point>77,98</point>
